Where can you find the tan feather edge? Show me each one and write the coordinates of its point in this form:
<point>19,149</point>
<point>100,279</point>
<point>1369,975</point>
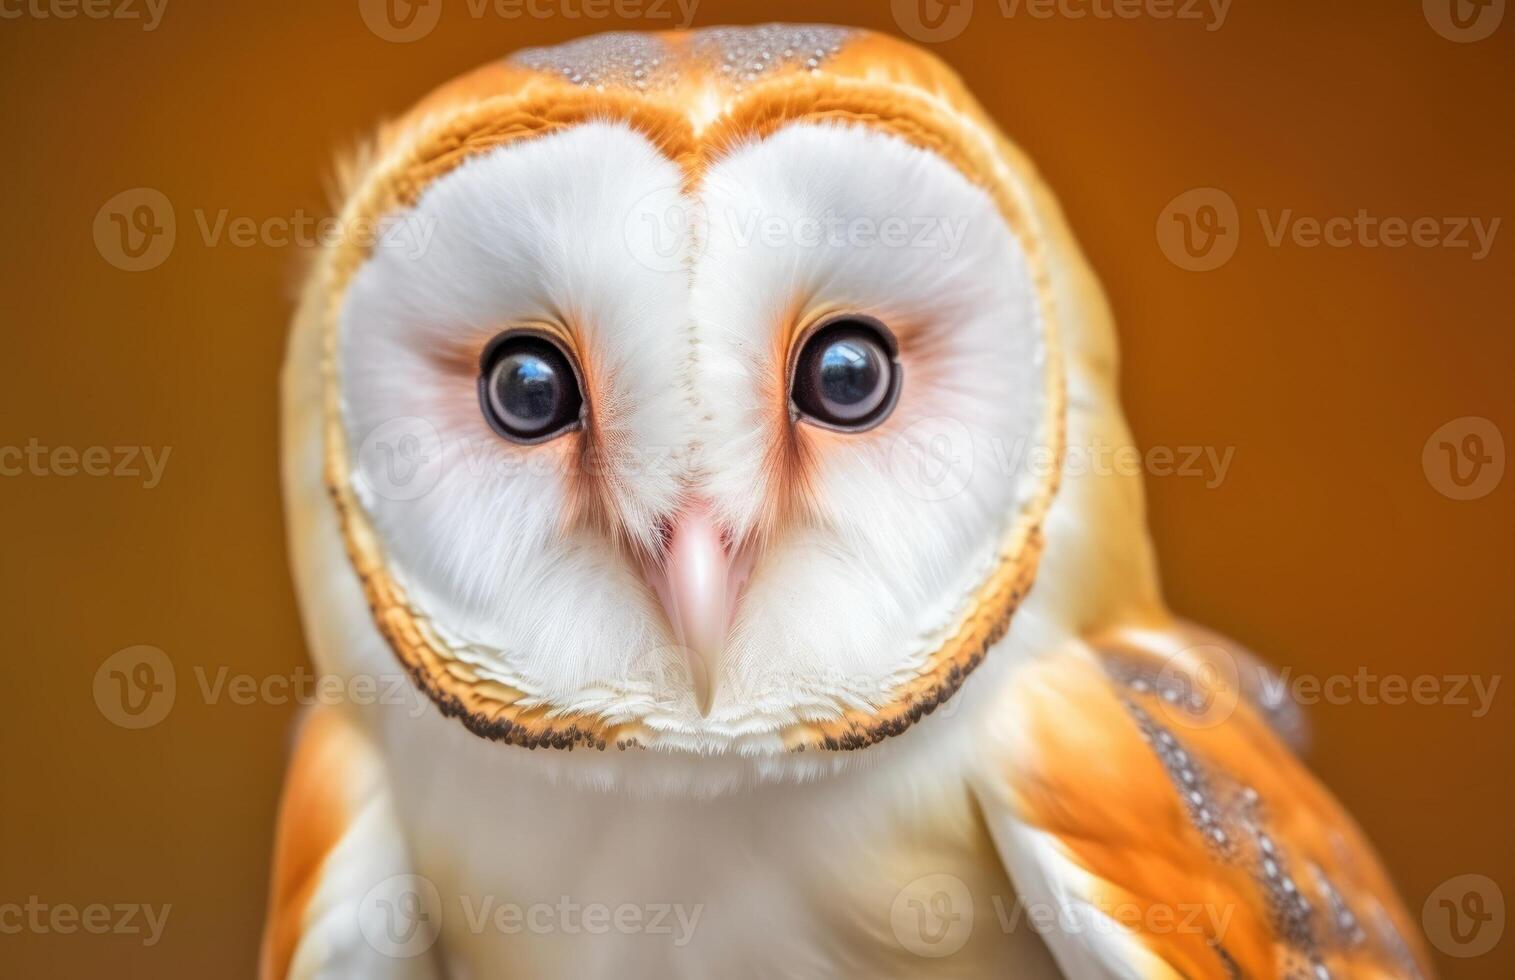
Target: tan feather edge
<point>491,709</point>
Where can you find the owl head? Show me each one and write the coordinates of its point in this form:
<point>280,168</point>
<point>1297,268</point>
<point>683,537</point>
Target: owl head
<point>702,392</point>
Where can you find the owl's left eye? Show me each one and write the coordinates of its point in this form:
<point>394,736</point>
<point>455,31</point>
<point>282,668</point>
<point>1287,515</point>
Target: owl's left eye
<point>529,388</point>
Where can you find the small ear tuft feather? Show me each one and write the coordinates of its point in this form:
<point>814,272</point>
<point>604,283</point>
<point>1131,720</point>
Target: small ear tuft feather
<point>348,168</point>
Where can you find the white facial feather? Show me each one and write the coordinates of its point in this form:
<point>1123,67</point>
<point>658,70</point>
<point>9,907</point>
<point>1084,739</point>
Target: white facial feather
<point>850,599</point>
<point>683,349</point>
<point>520,237</point>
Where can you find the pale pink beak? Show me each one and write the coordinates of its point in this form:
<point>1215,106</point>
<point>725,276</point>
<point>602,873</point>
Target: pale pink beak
<point>698,582</point>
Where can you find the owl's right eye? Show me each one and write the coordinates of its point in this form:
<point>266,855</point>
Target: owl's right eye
<point>529,388</point>
<point>846,375</point>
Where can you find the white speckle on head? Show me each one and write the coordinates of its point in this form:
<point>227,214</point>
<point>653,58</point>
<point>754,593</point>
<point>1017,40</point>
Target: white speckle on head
<point>646,62</point>
<point>640,61</point>
<point>747,54</point>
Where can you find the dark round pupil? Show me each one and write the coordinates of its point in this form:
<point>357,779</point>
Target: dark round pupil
<point>531,390</point>
<point>849,376</point>
<point>851,373</point>
<point>527,391</point>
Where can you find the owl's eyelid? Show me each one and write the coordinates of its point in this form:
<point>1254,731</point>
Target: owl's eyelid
<point>555,334</point>
<point>831,318</point>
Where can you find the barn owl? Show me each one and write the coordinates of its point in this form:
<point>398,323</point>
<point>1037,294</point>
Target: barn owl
<point>690,434</point>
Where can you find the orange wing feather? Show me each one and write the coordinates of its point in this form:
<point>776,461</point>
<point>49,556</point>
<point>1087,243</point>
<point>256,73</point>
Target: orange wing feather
<point>313,816</point>
<point>1201,833</point>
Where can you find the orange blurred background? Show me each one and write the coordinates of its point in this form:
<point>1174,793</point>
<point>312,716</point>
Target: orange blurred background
<point>1330,546</point>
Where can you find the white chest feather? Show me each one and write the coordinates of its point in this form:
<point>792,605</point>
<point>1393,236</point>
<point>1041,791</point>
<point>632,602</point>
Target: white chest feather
<point>539,875</point>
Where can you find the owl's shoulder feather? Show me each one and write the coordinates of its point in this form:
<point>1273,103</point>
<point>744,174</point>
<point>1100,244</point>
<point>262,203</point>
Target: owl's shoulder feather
<point>1143,786</point>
